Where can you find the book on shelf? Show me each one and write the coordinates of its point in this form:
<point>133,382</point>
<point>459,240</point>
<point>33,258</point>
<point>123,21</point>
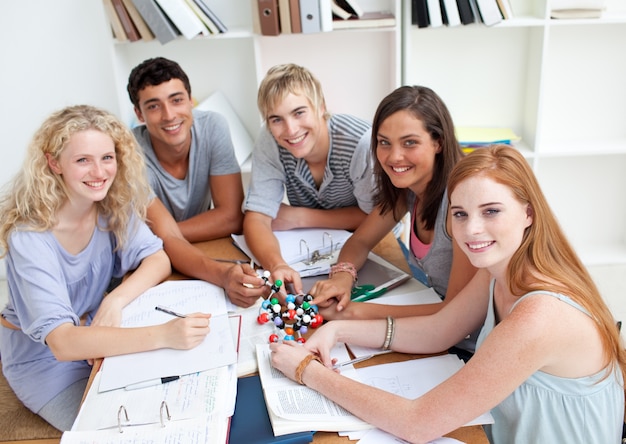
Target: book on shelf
<point>206,21</point>
<point>352,6</point>
<point>451,12</point>
<point>434,13</point>
<point>183,17</point>
<point>127,23</point>
<point>466,13</point>
<point>284,14</point>
<point>489,12</point>
<point>114,20</point>
<point>370,19</point>
<point>294,13</point>
<point>505,9</point>
<point>268,17</point>
<point>475,137</point>
<point>577,8</point>
<point>310,16</point>
<point>419,13</point>
<point>339,12</point>
<point>211,15</point>
<point>575,13</point>
<point>142,27</point>
<point>160,25</point>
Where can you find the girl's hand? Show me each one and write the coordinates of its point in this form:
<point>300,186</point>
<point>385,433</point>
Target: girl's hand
<point>335,290</point>
<point>286,356</point>
<point>187,333</point>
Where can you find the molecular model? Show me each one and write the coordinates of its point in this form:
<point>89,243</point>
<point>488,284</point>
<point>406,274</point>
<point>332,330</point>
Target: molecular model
<point>298,316</point>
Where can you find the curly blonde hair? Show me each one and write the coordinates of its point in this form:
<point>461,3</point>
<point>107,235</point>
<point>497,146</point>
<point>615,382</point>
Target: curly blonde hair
<point>31,200</point>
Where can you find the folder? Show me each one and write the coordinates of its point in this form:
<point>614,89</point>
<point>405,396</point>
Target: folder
<point>310,16</point>
<point>268,17</point>
<point>251,423</point>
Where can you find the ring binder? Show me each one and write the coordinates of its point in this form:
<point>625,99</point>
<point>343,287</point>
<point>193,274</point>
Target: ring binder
<point>126,420</point>
<point>167,411</point>
<point>316,256</point>
<point>119,418</point>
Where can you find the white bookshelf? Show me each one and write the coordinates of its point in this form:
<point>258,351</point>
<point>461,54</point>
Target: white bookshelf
<point>347,62</point>
<point>559,84</point>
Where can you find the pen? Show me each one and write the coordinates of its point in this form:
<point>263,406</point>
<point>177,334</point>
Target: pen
<point>359,359</point>
<point>169,311</point>
<point>151,382</point>
<point>232,261</point>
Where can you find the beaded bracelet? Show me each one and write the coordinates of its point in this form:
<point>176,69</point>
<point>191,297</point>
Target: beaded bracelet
<point>391,327</point>
<point>347,267</point>
<point>303,364</point>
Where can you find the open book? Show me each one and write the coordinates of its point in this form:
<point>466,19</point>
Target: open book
<point>296,408</point>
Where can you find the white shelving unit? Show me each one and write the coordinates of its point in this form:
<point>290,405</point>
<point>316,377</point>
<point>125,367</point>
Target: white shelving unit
<point>559,84</point>
<point>356,67</point>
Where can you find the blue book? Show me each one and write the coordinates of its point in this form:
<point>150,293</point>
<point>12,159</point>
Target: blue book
<point>251,423</point>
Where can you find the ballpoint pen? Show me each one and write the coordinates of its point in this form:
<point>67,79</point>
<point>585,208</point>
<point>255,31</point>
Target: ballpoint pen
<point>359,359</point>
<point>151,382</point>
<point>169,311</point>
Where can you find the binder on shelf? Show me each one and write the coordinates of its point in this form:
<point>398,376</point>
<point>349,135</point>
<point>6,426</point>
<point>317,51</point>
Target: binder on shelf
<point>142,27</point>
<point>160,25</point>
<point>269,17</point>
<point>127,23</point>
<point>310,16</point>
<point>489,12</point>
<point>183,17</point>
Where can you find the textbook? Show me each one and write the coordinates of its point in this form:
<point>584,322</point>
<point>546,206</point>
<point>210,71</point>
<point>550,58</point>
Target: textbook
<point>296,408</point>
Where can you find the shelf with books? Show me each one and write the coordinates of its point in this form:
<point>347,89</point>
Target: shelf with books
<point>556,83</point>
<point>347,62</point>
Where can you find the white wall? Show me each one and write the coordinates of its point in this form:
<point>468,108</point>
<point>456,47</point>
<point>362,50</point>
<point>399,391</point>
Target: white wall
<point>53,53</point>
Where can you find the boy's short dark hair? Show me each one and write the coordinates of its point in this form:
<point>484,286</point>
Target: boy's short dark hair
<point>153,72</point>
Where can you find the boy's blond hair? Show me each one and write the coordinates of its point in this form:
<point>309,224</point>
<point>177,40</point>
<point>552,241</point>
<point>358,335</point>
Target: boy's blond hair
<point>282,80</point>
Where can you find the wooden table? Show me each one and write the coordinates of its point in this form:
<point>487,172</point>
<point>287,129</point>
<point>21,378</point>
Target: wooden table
<point>388,249</point>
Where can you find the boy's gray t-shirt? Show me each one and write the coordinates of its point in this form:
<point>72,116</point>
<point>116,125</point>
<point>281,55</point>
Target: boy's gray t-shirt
<point>211,154</point>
